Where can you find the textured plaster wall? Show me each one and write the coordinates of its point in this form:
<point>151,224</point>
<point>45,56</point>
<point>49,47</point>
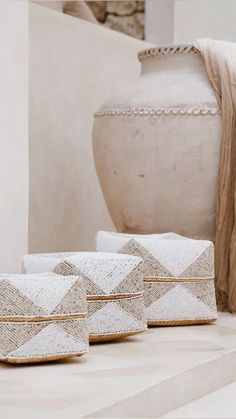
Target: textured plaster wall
<point>205,18</point>
<point>159,21</point>
<point>182,21</point>
<point>50,4</point>
<point>13,134</point>
<point>74,67</point>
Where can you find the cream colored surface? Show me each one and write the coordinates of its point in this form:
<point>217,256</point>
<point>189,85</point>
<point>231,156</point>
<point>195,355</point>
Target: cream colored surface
<point>217,405</point>
<point>14,134</point>
<point>205,18</point>
<point>159,21</point>
<point>132,378</point>
<point>50,4</point>
<point>182,21</point>
<point>79,9</point>
<point>74,67</point>
<point>159,172</point>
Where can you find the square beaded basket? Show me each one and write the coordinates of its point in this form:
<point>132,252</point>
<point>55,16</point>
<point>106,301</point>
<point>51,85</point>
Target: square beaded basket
<point>178,275</point>
<point>114,286</point>
<point>42,318</point>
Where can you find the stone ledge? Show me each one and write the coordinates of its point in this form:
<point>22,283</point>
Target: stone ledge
<point>143,376</point>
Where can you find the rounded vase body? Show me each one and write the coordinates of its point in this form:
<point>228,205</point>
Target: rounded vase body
<point>157,145</point>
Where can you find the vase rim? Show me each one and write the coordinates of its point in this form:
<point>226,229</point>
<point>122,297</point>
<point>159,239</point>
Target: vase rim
<point>167,50</point>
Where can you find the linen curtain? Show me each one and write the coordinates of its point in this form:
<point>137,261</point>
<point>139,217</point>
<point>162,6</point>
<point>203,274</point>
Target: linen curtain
<point>220,61</point>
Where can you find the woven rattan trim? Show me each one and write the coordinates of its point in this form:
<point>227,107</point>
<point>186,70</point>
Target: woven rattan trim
<point>40,359</point>
<point>114,296</point>
<point>179,322</point>
<point>33,319</point>
<point>179,279</point>
<point>112,336</point>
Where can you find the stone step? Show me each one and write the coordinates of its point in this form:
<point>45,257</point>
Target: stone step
<point>143,376</point>
<point>217,405</point>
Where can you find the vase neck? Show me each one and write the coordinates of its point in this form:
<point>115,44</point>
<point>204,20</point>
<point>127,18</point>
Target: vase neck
<point>172,58</point>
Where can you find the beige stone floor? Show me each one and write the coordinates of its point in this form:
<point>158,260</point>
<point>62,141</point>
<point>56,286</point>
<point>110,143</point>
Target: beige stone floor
<point>217,405</point>
<point>144,376</point>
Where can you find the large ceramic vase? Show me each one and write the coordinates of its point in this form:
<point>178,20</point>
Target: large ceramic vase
<point>156,146</point>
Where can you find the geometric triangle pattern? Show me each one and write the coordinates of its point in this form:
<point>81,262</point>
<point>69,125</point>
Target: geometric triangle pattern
<point>151,266</point>
<point>178,275</point>
<point>67,268</point>
<point>114,286</point>
<point>102,272</point>
<point>132,283</point>
<point>12,302</point>
<point>168,255</point>
<point>41,295</point>
<point>175,258</point>
<point>100,322</point>
<point>111,316</point>
<point>177,304</point>
<point>110,241</point>
<point>134,306</point>
<point>108,271</point>
<point>41,341</point>
<point>42,317</point>
<point>177,255</point>
<point>110,319</point>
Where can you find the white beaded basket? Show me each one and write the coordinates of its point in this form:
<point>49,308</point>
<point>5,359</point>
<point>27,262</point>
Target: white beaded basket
<point>114,285</point>
<point>42,318</point>
<point>178,275</point>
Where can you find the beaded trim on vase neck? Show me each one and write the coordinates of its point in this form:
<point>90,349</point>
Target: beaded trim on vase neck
<point>158,111</point>
<point>167,50</point>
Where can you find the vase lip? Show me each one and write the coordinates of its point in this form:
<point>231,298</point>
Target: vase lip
<point>167,50</point>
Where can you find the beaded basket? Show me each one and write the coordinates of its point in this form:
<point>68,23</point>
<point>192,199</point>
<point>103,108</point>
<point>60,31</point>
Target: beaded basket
<point>114,285</point>
<point>42,318</point>
<point>178,275</point>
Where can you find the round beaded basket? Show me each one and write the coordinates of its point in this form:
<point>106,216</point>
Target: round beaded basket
<point>178,275</point>
<point>41,321</point>
<point>114,286</point>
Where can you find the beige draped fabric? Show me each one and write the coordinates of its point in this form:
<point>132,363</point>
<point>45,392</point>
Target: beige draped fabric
<point>220,60</point>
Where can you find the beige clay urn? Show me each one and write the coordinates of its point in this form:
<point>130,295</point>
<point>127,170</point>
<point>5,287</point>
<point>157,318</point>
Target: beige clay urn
<point>156,146</point>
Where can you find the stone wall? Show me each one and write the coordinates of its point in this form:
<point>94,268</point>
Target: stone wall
<point>121,16</point>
